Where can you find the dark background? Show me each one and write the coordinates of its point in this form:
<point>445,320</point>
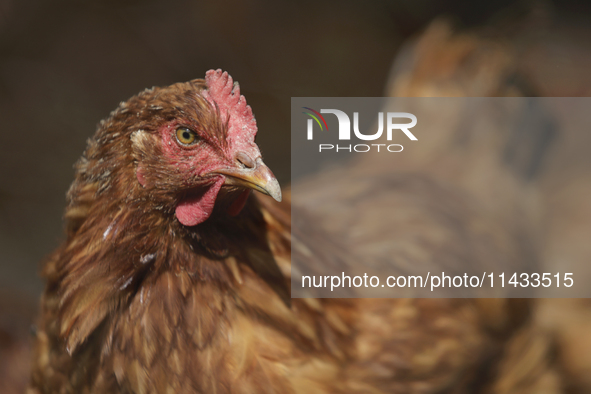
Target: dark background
<point>64,65</point>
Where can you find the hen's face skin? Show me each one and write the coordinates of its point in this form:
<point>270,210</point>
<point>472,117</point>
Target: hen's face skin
<point>199,147</point>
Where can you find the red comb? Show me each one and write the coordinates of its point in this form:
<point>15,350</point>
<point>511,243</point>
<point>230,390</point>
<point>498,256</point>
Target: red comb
<point>222,91</point>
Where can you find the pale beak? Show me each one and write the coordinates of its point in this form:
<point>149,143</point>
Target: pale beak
<point>259,178</point>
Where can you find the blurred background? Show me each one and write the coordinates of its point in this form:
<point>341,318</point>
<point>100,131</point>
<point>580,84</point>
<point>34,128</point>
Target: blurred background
<point>65,64</point>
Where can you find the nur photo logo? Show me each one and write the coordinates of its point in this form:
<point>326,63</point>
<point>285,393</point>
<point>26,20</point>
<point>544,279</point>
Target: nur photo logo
<point>392,121</point>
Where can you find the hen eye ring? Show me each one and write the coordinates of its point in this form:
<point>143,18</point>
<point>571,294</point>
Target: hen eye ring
<point>186,136</point>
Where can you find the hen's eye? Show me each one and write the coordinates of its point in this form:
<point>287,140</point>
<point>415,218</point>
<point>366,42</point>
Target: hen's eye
<point>186,136</point>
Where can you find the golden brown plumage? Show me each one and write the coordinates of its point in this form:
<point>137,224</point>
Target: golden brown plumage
<point>137,302</point>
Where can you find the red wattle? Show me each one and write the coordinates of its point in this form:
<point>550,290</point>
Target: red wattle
<point>239,203</point>
<point>194,210</point>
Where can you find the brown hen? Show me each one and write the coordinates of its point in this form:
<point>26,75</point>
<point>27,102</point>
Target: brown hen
<point>174,279</point>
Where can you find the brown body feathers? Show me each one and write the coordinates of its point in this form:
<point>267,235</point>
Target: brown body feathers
<point>137,302</point>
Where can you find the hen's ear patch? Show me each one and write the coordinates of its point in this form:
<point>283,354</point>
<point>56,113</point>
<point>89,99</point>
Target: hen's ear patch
<point>140,175</point>
<point>223,92</point>
<point>139,144</point>
<point>139,141</point>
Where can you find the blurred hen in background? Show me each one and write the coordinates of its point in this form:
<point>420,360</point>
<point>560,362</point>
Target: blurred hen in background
<point>532,180</point>
<point>533,55</point>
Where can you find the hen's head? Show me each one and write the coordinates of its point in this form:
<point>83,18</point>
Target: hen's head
<point>184,148</point>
